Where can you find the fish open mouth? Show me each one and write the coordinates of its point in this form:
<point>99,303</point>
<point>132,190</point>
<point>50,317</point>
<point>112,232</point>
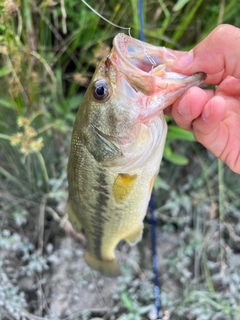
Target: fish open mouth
<point>148,68</point>
<point>141,55</point>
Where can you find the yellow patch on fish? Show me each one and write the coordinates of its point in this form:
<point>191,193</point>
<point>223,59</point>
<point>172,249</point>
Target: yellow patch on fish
<point>123,186</point>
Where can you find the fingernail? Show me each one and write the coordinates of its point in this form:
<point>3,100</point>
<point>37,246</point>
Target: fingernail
<point>207,112</point>
<point>184,110</point>
<point>184,61</point>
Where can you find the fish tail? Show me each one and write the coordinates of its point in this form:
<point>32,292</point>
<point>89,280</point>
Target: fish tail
<point>108,268</point>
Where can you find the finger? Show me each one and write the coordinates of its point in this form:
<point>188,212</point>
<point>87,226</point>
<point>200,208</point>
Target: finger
<point>230,86</point>
<point>206,126</point>
<point>190,106</point>
<point>219,133</point>
<point>219,52</point>
<point>211,79</point>
<point>168,111</point>
<point>210,130</point>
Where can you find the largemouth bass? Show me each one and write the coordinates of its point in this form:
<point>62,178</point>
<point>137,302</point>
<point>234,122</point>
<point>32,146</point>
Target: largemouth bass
<point>117,145</point>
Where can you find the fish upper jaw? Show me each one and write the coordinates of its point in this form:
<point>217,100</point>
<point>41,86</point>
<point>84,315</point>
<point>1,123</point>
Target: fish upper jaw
<point>141,55</point>
<point>149,79</point>
<point>140,62</point>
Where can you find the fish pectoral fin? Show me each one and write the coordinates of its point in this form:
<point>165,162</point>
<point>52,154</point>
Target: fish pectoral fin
<point>108,268</point>
<point>123,186</point>
<point>135,236</point>
<point>104,147</point>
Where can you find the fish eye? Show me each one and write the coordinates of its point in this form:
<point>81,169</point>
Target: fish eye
<point>100,90</point>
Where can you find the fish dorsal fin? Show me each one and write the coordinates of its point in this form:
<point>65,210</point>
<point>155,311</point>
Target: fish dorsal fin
<point>123,186</point>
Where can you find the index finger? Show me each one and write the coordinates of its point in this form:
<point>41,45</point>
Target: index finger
<point>217,55</point>
<point>211,78</point>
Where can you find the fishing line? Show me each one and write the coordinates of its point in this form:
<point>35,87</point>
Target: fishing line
<point>105,19</point>
<point>151,204</point>
<point>153,63</point>
<point>141,22</point>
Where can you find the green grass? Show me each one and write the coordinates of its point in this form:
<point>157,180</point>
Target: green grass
<point>46,62</point>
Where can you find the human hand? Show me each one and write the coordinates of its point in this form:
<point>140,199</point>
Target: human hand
<point>213,115</point>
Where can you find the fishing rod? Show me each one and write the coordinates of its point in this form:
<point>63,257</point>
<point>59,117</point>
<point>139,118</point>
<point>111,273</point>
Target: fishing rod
<point>157,311</point>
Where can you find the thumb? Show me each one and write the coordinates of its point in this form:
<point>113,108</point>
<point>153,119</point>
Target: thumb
<point>219,52</point>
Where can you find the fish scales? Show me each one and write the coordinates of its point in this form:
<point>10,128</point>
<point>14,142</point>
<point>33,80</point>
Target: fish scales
<point>117,145</point>
<point>101,217</point>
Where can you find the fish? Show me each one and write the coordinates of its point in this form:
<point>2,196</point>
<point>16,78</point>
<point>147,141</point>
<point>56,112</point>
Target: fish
<point>117,145</point>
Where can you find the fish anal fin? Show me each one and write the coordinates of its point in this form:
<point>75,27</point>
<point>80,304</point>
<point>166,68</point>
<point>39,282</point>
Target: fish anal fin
<point>108,268</point>
<point>123,186</point>
<point>134,236</point>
